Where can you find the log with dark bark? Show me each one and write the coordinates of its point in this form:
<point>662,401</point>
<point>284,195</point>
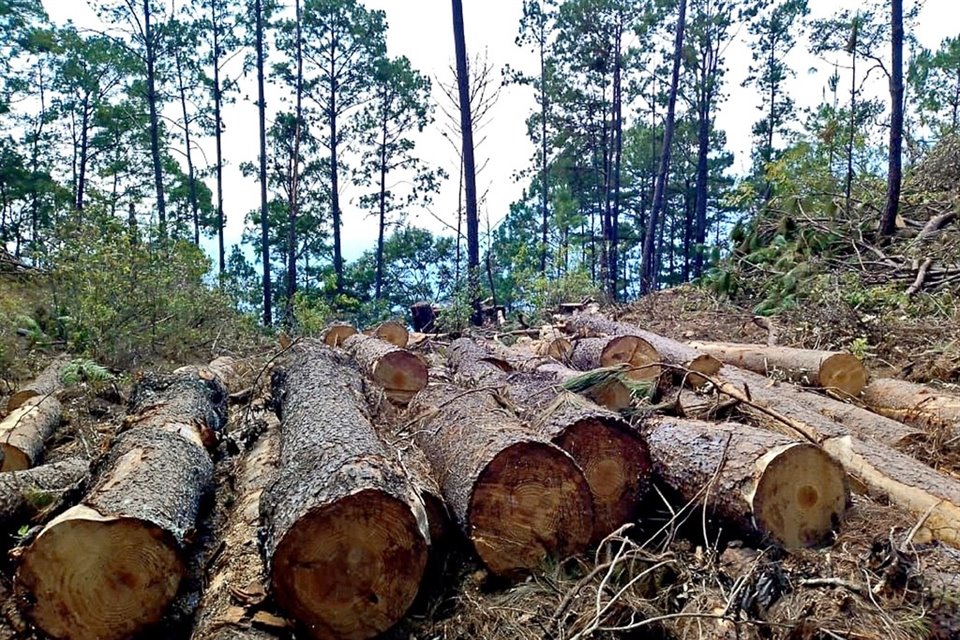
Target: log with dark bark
<point>919,405</point>
<point>237,582</point>
<point>47,383</point>
<point>335,334</point>
<point>345,532</point>
<point>518,498</point>
<point>610,452</point>
<point>424,317</point>
<point>25,494</point>
<point>865,451</point>
<point>398,372</point>
<point>828,369</point>
<point>668,351</point>
<point>192,401</point>
<point>109,567</point>
<point>635,354</point>
<point>24,431</point>
<point>763,483</point>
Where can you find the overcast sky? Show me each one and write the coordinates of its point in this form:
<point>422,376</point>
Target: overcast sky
<point>422,31</point>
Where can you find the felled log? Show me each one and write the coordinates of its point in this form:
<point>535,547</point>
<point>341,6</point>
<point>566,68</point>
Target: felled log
<point>518,498</point>
<point>821,414</point>
<point>828,369</point>
<point>424,317</point>
<point>612,393</point>
<point>225,368</point>
<point>392,332</point>
<point>24,494</point>
<point>336,333</point>
<point>634,353</point>
<point>398,372</point>
<point>345,532</point>
<point>613,457</point>
<point>47,383</point>
<point>191,401</point>
<point>553,344</point>
<point>915,404</point>
<point>667,350</point>
<point>109,567</point>
<point>237,580</point>
<point>878,467</point>
<point>761,482</point>
<point>24,431</point>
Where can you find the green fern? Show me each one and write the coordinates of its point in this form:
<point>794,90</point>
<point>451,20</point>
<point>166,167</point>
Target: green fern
<point>84,370</point>
<point>30,328</point>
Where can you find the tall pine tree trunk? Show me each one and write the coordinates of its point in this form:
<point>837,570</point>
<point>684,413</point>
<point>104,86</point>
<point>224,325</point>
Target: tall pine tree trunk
<point>895,168</point>
<point>469,165</point>
<point>848,185</point>
<point>649,271</point>
<point>378,284</point>
<point>335,170</point>
<point>617,123</point>
<point>151,51</point>
<point>544,187</point>
<point>218,133</point>
<point>295,177</point>
<point>703,151</point>
<point>192,190</point>
<point>264,222</point>
<point>84,154</point>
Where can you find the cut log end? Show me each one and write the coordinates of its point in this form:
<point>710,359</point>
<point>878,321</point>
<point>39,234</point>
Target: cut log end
<point>616,465</point>
<point>352,568</point>
<point>612,394</point>
<point>336,334</point>
<point>16,400</point>
<point>393,332</point>
<point>633,351</point>
<point>801,496</point>
<point>531,502</point>
<point>559,348</point>
<point>92,576</point>
<point>12,458</point>
<point>845,372</point>
<point>703,364</point>
<point>401,374</point>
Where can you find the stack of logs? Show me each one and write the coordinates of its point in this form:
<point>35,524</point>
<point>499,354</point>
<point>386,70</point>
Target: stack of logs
<point>491,443</point>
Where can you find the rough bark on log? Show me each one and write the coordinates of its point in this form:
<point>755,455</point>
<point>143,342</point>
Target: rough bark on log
<point>191,401</point>
<point>225,368</point>
<point>763,483</point>
<point>668,351</point>
<point>612,455</point>
<point>24,431</point>
<point>46,384</point>
<point>915,404</point>
<point>335,334</point>
<point>823,415</point>
<point>392,332</point>
<point>345,531</point>
<point>237,582</point>
<point>24,494</point>
<point>635,354</point>
<point>108,567</point>
<point>398,372</point>
<point>827,369</point>
<point>518,498</point>
<point>879,468</point>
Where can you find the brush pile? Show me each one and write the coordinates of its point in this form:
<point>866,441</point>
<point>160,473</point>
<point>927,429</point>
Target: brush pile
<point>591,479</point>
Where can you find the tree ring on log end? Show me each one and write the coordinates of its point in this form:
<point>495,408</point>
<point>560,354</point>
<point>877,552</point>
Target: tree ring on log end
<point>351,569</point>
<point>636,352</point>
<point>97,577</point>
<point>843,371</point>
<point>616,465</point>
<point>529,503</point>
<point>392,332</point>
<point>12,458</point>
<point>337,333</point>
<point>801,496</point>
<point>401,374</point>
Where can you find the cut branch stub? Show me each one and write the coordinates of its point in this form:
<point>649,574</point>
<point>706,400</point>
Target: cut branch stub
<point>828,369</point>
<point>398,372</point>
<point>638,357</point>
<point>518,498</point>
<point>763,483</point>
<point>335,334</point>
<point>110,566</point>
<point>24,431</point>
